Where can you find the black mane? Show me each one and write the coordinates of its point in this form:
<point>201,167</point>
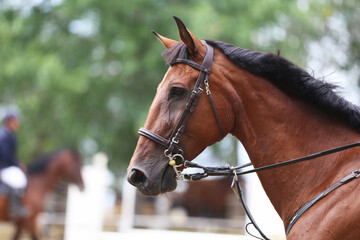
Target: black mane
<point>40,164</point>
<point>290,78</point>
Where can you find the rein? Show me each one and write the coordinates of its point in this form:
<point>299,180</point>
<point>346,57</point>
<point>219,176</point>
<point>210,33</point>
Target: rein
<point>176,159</point>
<point>234,171</point>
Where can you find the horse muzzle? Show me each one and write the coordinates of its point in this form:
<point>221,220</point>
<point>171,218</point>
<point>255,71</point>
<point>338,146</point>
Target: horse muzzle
<point>152,183</point>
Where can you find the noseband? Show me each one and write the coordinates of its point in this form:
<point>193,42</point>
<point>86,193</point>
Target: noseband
<point>173,150</point>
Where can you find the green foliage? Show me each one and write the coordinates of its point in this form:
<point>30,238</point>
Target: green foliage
<point>84,72</point>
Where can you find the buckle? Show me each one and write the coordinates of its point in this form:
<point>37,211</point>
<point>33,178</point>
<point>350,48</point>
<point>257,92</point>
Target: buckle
<point>174,140</point>
<point>199,90</point>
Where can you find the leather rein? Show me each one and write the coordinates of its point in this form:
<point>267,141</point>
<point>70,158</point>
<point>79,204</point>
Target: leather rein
<point>176,158</point>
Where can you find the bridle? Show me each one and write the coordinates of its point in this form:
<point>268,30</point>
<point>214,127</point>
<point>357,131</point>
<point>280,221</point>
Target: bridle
<point>175,153</point>
<point>173,150</point>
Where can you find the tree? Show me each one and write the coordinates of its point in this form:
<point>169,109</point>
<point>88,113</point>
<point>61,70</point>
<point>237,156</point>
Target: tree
<point>84,72</point>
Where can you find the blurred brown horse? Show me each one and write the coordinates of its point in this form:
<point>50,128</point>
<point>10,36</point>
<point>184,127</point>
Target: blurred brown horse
<point>279,112</point>
<point>208,198</point>
<point>44,174</point>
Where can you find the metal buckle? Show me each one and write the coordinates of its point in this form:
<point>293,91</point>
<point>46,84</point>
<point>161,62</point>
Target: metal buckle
<point>234,187</point>
<point>180,156</point>
<point>207,87</point>
<point>179,175</point>
<point>199,90</point>
<point>172,162</point>
<point>166,153</point>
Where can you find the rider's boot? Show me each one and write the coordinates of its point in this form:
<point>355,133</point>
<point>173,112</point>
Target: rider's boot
<point>17,209</point>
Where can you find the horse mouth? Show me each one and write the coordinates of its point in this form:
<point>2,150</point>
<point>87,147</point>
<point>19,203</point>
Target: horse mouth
<point>168,181</point>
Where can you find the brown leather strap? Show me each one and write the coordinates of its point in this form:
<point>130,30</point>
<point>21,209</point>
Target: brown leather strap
<point>153,136</point>
<point>312,202</point>
<point>192,64</point>
<point>216,116</point>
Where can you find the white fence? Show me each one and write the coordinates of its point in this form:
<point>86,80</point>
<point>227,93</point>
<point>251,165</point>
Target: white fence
<point>84,217</point>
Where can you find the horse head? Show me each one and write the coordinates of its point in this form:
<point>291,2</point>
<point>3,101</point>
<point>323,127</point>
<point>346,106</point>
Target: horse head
<point>72,165</point>
<point>149,170</point>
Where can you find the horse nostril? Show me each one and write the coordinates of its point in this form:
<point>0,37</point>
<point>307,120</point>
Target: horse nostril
<point>137,178</point>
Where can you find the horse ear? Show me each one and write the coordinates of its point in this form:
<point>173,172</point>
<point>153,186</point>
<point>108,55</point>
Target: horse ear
<point>190,41</point>
<point>167,42</point>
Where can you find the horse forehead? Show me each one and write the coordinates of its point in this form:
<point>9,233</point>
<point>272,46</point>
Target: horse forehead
<point>164,79</point>
<point>177,72</point>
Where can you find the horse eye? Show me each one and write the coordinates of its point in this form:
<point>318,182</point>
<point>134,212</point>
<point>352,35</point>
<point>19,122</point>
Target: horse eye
<point>177,92</point>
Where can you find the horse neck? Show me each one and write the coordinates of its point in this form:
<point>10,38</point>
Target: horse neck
<point>274,127</point>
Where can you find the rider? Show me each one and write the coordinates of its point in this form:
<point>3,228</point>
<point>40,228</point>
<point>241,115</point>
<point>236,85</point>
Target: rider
<point>10,172</point>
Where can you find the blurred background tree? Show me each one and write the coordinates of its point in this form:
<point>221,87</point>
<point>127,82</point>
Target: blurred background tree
<point>83,73</point>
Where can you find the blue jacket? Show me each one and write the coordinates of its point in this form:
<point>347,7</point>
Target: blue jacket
<point>8,146</point>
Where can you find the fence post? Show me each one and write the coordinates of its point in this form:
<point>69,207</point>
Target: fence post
<point>127,207</point>
<point>85,210</point>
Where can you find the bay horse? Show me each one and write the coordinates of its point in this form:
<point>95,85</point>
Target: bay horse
<point>277,110</point>
<point>43,176</point>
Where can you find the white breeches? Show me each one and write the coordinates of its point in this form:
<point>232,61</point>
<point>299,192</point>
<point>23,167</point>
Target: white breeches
<point>14,177</point>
